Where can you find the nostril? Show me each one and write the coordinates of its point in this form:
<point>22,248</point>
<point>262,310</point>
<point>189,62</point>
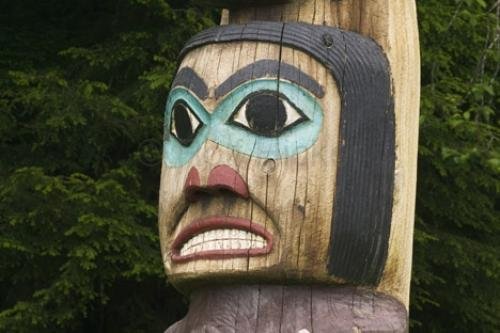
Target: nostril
<point>222,181</point>
<point>192,184</point>
<point>193,178</point>
<point>225,177</point>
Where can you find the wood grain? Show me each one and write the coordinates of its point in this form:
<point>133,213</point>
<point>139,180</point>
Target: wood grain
<point>274,308</point>
<point>393,25</point>
<point>292,197</point>
<point>365,171</point>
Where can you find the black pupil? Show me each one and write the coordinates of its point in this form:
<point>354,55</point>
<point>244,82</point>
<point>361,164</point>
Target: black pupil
<point>182,123</point>
<point>266,114</point>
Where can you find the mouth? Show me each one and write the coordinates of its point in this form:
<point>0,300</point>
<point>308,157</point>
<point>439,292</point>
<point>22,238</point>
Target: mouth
<point>221,237</point>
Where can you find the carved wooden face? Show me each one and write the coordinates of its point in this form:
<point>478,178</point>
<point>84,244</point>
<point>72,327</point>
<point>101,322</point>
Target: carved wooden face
<point>250,164</point>
<point>279,161</point>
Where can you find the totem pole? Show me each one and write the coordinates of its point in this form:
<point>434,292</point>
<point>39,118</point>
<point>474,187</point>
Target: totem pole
<point>288,179</point>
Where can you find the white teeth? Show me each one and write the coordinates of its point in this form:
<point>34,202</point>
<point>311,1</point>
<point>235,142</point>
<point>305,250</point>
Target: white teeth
<point>258,242</point>
<point>223,239</point>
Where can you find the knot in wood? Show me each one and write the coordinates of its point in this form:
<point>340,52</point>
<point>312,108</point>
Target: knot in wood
<point>328,40</point>
<point>269,166</point>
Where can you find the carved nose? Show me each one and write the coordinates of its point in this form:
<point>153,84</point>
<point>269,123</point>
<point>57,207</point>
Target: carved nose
<point>222,177</point>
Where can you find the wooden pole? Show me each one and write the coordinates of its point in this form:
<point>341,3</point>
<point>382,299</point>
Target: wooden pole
<point>297,309</point>
<point>290,159</point>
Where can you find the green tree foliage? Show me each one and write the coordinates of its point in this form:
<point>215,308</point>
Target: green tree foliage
<point>456,280</point>
<point>82,88</point>
<point>82,84</point>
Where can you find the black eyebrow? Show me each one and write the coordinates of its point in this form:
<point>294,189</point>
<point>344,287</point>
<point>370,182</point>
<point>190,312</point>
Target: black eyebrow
<point>270,68</point>
<point>186,77</point>
<point>362,204</point>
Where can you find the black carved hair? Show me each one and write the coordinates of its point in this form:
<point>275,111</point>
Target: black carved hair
<point>362,208</point>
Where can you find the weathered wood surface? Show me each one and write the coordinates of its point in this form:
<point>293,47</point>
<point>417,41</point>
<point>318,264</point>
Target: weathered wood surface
<point>290,197</point>
<point>393,25</point>
<point>291,309</point>
<point>271,216</point>
<point>363,189</point>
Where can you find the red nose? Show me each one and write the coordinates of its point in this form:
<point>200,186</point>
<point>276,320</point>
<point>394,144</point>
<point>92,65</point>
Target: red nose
<point>222,177</point>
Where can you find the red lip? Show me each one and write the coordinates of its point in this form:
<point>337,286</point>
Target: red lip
<point>220,222</point>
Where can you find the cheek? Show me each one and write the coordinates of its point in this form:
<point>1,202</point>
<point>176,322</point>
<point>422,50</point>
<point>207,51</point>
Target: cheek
<point>171,193</point>
<point>300,195</point>
<point>297,193</point>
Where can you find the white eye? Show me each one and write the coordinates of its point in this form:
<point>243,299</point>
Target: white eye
<point>184,124</point>
<point>267,113</point>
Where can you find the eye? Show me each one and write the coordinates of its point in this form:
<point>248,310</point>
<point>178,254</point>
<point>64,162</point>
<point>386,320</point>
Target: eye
<point>267,113</point>
<point>184,123</point>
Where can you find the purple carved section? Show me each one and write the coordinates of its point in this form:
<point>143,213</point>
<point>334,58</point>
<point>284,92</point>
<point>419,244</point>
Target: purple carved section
<point>272,309</point>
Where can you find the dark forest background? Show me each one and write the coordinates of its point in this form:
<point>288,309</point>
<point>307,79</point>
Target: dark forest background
<point>82,88</point>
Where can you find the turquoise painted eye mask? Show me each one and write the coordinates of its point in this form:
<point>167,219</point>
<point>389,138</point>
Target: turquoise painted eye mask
<point>264,118</point>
